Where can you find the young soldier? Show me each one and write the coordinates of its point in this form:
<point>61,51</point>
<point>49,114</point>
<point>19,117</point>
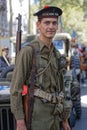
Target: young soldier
<point>46,112</point>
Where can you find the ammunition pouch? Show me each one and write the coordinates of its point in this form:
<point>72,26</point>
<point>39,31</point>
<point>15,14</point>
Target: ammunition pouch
<point>63,109</point>
<point>54,98</point>
<point>62,62</point>
<point>58,109</point>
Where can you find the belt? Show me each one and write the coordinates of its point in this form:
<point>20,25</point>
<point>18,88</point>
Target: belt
<point>49,97</point>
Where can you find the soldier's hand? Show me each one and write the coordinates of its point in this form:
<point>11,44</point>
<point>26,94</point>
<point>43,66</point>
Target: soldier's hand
<point>65,125</point>
<point>21,125</point>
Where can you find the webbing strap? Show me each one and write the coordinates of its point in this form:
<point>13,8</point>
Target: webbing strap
<point>51,97</point>
<point>46,66</point>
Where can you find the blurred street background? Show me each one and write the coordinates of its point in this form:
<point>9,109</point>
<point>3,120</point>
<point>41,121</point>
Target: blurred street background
<point>74,17</point>
<point>71,38</point>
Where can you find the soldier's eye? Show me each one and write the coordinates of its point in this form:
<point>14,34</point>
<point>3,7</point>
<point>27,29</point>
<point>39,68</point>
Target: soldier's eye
<point>54,23</point>
<point>47,22</point>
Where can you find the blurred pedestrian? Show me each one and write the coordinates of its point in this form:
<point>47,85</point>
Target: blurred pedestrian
<point>75,63</point>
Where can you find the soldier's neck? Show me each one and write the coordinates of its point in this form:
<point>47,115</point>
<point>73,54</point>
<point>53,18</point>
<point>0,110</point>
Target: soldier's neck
<point>46,41</point>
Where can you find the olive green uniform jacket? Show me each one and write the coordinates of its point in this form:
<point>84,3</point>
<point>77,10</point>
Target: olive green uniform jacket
<point>44,115</point>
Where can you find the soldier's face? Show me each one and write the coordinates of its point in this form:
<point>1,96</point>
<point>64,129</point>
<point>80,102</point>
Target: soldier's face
<point>47,27</point>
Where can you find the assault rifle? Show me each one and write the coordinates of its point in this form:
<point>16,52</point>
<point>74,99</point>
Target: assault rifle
<point>25,95</point>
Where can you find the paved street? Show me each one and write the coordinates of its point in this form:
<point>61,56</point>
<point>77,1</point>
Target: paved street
<point>82,123</point>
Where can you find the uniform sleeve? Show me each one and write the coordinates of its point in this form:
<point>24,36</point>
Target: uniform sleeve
<point>67,109</point>
<point>20,75</point>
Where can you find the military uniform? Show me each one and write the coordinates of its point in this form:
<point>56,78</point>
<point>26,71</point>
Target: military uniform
<point>49,87</point>
<point>51,81</point>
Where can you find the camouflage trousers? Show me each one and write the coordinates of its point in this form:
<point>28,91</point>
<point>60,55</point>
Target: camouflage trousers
<point>43,117</point>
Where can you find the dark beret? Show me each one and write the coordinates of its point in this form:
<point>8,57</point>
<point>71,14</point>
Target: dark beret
<point>49,11</point>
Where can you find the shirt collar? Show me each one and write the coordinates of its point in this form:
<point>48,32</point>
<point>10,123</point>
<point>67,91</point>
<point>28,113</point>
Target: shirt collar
<point>42,45</point>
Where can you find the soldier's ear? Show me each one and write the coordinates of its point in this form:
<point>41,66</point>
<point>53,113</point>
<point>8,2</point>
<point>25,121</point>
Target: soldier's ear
<point>38,25</point>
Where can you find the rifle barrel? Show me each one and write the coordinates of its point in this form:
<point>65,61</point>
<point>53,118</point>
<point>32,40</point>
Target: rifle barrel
<point>18,37</point>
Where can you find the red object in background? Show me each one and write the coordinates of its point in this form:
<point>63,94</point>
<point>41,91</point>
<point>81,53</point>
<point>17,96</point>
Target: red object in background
<point>25,90</point>
<point>80,50</point>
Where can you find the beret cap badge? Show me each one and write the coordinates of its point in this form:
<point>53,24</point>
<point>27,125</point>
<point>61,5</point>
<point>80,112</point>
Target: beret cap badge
<point>46,6</point>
